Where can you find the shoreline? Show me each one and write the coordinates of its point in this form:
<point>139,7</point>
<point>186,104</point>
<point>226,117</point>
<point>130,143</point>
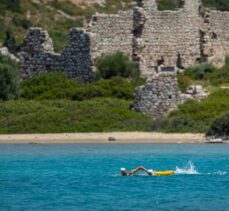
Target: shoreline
<point>103,138</point>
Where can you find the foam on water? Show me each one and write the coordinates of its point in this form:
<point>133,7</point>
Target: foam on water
<point>188,169</point>
<point>218,173</point>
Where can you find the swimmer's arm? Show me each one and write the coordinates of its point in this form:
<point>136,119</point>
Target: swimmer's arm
<point>140,168</point>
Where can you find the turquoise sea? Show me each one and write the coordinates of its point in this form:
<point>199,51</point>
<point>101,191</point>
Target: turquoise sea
<point>87,177</point>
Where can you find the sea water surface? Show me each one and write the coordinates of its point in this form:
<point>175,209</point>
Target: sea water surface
<point>87,177</point>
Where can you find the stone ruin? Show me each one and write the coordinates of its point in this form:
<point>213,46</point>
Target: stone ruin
<point>159,43</point>
<point>155,40</point>
<point>161,94</point>
<point>158,96</point>
<point>38,56</point>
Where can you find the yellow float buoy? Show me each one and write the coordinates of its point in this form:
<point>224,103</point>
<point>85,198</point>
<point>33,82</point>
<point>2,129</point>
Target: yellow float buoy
<point>163,173</point>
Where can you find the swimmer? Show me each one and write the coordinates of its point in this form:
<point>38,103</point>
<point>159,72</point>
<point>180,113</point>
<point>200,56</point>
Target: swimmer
<point>124,172</point>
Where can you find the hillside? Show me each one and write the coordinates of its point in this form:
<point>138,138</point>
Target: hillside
<point>57,16</point>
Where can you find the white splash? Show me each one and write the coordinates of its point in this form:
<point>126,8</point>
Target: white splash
<point>188,169</point>
<point>220,173</point>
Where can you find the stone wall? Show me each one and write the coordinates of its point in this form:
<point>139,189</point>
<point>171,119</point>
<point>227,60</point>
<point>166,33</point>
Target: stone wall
<point>112,33</point>
<point>219,36</point>
<point>38,55</point>
<point>169,38</point>
<point>158,96</point>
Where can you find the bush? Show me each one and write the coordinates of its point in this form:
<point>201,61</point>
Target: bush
<point>9,79</point>
<point>219,76</point>
<point>88,91</point>
<point>13,5</point>
<point>166,5</point>
<point>10,41</point>
<point>220,127</point>
<point>53,85</point>
<point>116,87</point>
<point>25,24</point>
<point>193,116</point>
<point>183,81</point>
<point>217,4</point>
<point>200,71</point>
<point>117,64</point>
<point>176,125</point>
<point>227,60</point>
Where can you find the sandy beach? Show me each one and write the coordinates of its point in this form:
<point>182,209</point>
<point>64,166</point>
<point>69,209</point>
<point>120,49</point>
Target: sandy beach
<point>111,137</point>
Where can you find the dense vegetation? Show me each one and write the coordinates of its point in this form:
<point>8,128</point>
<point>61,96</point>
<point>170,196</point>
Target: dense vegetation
<point>56,116</point>
<point>217,4</point>
<point>117,64</point>
<point>56,85</point>
<point>13,5</point>
<point>220,127</point>
<point>166,4</point>
<point>9,79</point>
<point>222,5</point>
<point>195,116</point>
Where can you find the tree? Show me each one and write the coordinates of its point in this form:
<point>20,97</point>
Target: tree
<point>220,127</point>
<point>9,79</point>
<point>10,41</point>
<point>117,64</point>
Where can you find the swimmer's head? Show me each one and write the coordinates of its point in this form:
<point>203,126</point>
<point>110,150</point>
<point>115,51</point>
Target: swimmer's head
<point>123,171</point>
<point>150,172</point>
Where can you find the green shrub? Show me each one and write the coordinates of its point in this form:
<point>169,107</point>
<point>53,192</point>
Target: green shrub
<point>220,127</point>
<point>219,76</point>
<point>166,4</point>
<point>195,116</point>
<point>117,87</point>
<point>183,81</point>
<point>9,79</point>
<point>176,125</point>
<point>227,60</point>
<point>217,4</point>
<point>200,71</point>
<point>88,91</point>
<point>13,5</point>
<point>53,85</point>
<point>25,24</point>
<point>117,64</point>
<point>10,41</point>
